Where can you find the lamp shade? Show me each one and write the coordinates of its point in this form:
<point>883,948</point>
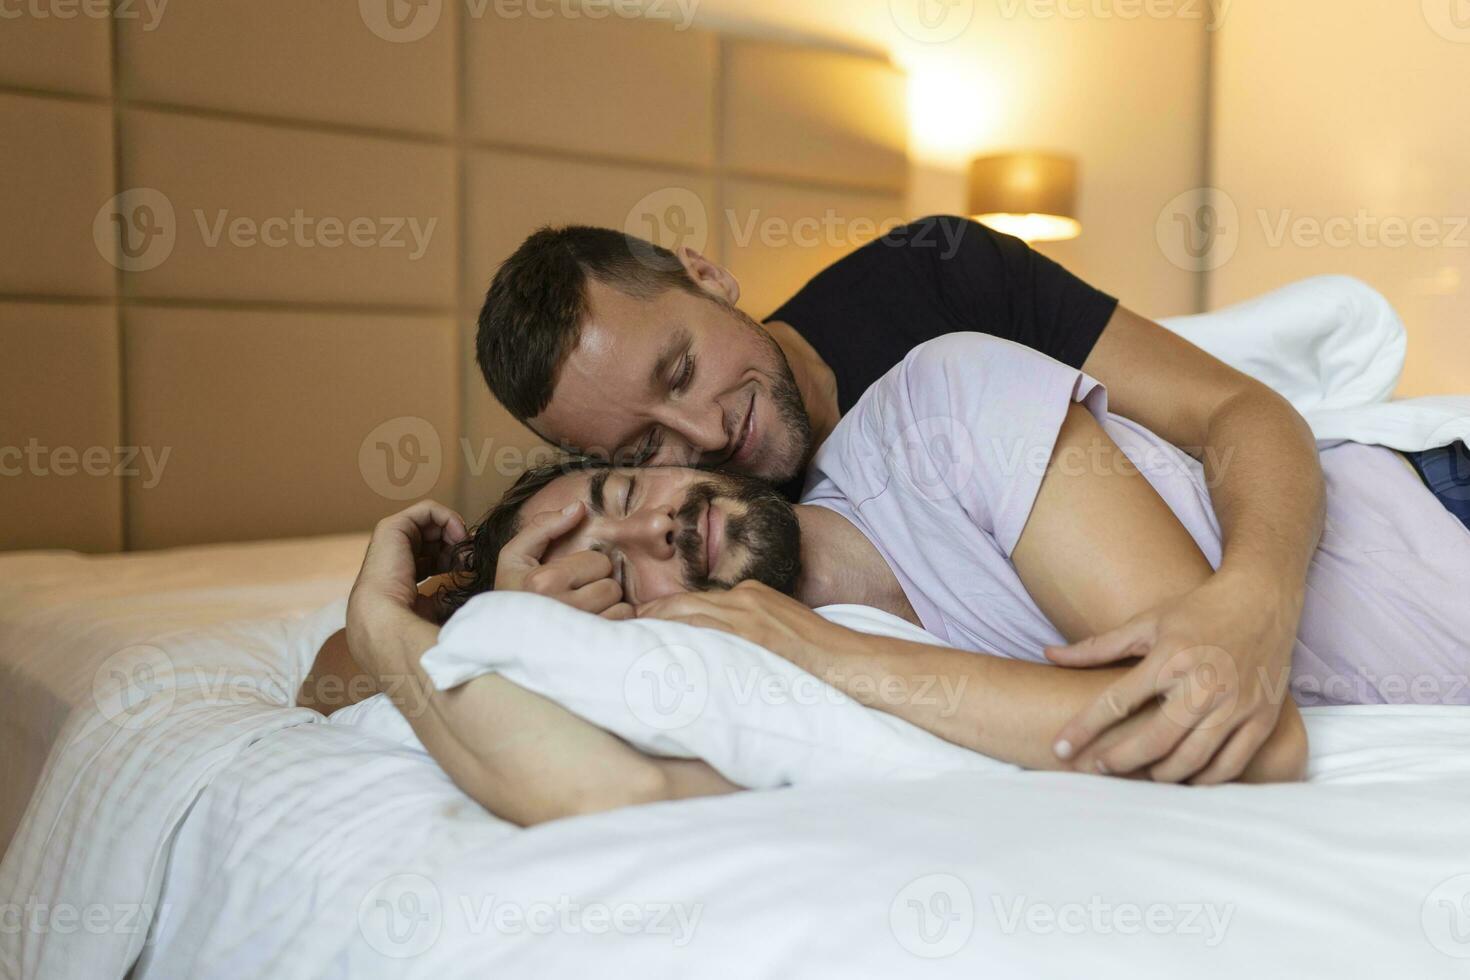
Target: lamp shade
<point>1030,195</point>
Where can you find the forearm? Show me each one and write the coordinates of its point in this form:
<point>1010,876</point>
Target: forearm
<point>1006,709</point>
<point>1266,484</point>
<point>335,680</point>
<point>1259,455</point>
<point>524,758</point>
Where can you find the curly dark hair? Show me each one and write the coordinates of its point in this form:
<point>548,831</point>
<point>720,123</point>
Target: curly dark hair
<point>477,556</point>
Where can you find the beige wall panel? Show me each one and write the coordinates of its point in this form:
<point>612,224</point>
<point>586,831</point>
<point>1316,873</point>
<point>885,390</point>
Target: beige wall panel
<point>286,424</point>
<point>56,158</point>
<point>641,89</point>
<point>510,195</point>
<point>64,54</point>
<point>819,115</point>
<point>496,448</point>
<point>305,60</point>
<point>777,237</point>
<point>1342,147</point>
<point>59,430</point>
<point>266,213</point>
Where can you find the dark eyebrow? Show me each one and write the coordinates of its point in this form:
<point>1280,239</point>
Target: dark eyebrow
<point>677,345</point>
<point>594,491</point>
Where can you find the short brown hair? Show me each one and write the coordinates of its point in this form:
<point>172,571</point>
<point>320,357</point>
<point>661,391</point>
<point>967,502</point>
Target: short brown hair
<point>534,309</point>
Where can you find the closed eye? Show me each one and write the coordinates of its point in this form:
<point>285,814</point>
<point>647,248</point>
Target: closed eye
<point>647,447</point>
<point>685,376</point>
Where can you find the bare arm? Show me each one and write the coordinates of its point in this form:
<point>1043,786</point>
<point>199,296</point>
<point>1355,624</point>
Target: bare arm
<point>1259,455</point>
<point>519,755</point>
<point>335,680</point>
<point>1267,488</point>
<point>1008,709</point>
<point>1100,548</point>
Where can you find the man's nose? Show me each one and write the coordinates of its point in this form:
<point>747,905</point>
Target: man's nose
<point>705,432</point>
<point>650,532</point>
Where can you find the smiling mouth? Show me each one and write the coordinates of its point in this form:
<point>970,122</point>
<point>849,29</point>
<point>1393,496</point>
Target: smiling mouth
<point>747,429</point>
<point>713,534</point>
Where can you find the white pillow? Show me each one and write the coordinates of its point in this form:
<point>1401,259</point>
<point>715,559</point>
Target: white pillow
<point>687,692</point>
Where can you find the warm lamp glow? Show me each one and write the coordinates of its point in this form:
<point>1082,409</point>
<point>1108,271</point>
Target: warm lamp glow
<point>1032,196</point>
<point>952,110</point>
<point>1033,227</point>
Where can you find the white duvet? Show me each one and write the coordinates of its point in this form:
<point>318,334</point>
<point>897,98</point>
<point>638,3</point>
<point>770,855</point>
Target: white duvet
<point>1333,347</point>
<point>264,843</point>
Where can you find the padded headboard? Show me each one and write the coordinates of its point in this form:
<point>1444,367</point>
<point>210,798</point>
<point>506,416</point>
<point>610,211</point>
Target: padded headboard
<point>245,243</point>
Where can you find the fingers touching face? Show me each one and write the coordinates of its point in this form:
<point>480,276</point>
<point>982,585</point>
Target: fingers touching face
<point>662,528</point>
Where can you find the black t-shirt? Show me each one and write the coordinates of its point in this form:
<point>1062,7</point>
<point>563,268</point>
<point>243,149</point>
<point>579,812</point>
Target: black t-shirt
<point>940,275</point>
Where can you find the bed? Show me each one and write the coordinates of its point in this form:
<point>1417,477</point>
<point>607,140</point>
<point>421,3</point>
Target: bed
<point>217,831</point>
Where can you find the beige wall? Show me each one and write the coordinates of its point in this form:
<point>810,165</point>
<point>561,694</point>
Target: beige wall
<point>1342,136</point>
<point>1102,79</point>
<point>315,197</point>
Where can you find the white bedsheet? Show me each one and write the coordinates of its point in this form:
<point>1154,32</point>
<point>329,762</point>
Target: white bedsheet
<point>321,852</point>
<point>276,846</point>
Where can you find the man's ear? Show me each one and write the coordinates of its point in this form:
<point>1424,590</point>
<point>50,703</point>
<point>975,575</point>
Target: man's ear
<point>711,277</point>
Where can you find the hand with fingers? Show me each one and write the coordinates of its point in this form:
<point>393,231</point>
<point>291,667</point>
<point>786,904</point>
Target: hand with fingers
<point>1204,696</point>
<point>411,545</point>
<point>582,580</point>
<point>760,614</point>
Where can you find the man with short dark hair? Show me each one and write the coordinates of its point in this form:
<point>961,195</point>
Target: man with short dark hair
<point>612,345</point>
